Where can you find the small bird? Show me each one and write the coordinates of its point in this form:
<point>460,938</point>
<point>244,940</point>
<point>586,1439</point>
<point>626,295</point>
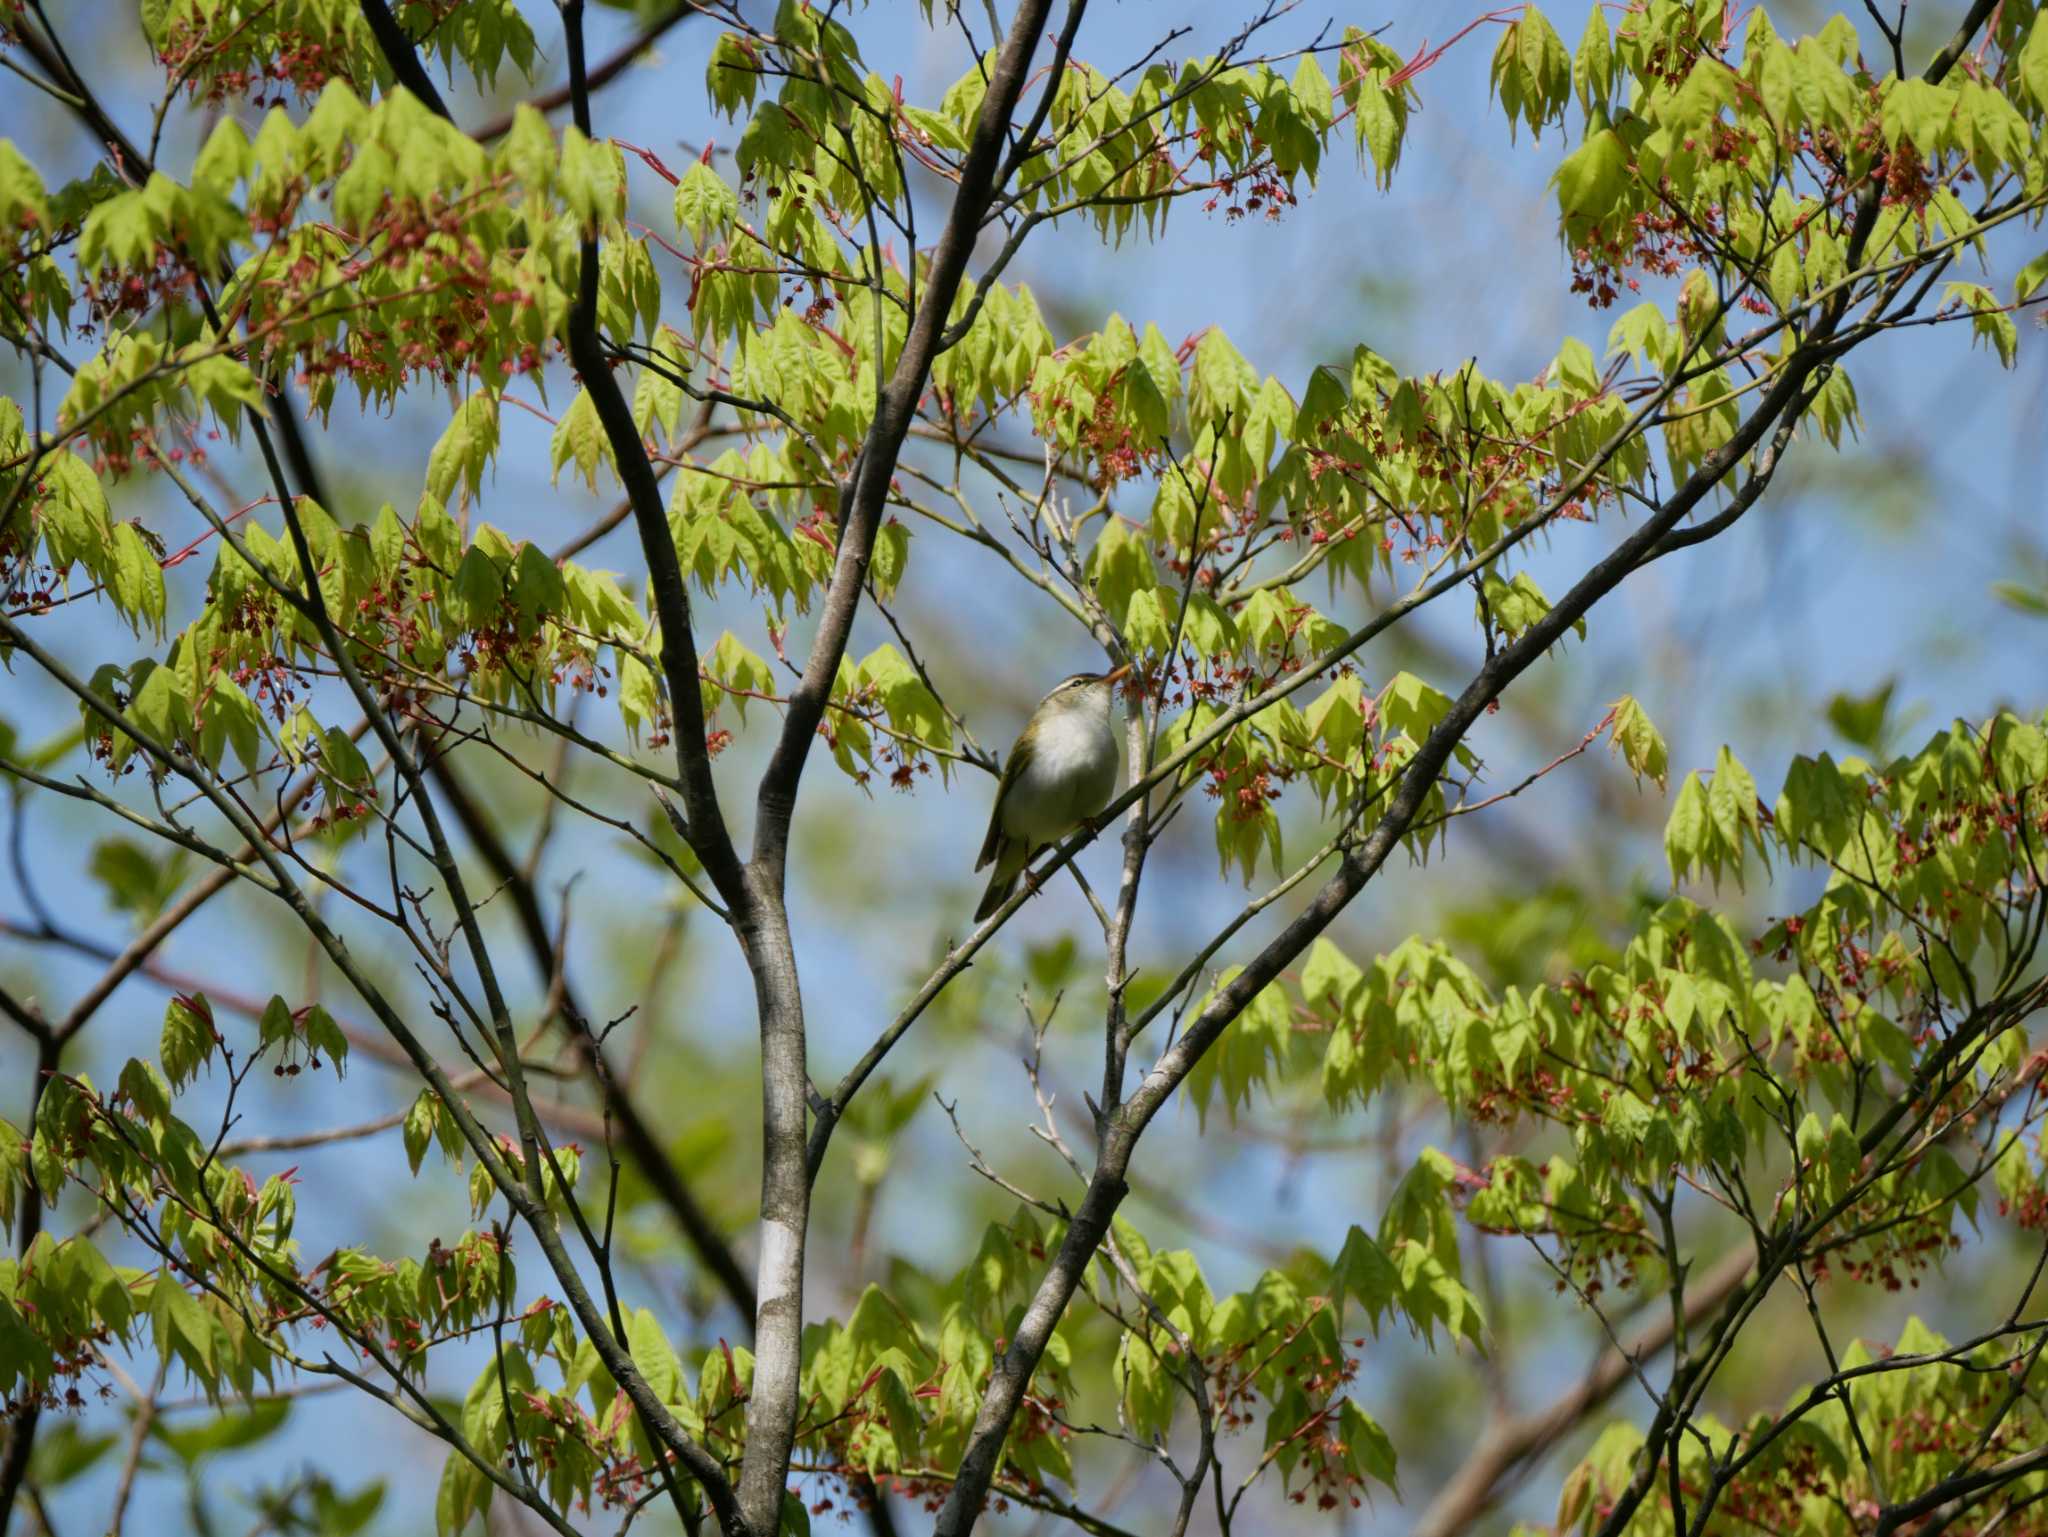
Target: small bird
<point>1060,774</point>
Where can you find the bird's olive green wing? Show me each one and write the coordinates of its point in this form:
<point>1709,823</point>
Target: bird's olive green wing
<point>992,843</point>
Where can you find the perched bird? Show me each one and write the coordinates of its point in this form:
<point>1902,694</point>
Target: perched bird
<point>1060,774</point>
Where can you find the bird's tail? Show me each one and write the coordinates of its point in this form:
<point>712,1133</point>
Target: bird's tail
<point>999,888</point>
<point>1011,857</point>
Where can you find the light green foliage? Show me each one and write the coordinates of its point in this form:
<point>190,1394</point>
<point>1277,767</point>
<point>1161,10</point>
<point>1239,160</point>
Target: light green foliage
<point>1638,741</point>
<point>306,1033</point>
<point>1532,72</point>
<point>1714,822</point>
<point>658,393</point>
<point>465,449</point>
<point>189,1037</point>
<point>1664,1035</point>
<point>1374,472</point>
<point>1379,106</point>
<point>427,1123</point>
<point>213,44</point>
<point>1262,1036</point>
<point>578,440</point>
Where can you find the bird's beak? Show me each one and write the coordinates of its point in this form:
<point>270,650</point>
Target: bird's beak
<point>1111,677</point>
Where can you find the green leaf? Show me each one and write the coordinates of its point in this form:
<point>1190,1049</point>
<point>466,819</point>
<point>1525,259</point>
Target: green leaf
<point>1708,90</point>
<point>1685,831</point>
<point>1638,741</point>
<point>1593,64</point>
<point>466,446</point>
<point>639,696</point>
<point>135,580</point>
<point>1241,1061</point>
<point>479,589</point>
<point>324,1036</point>
<point>2030,278</point>
<point>1731,799</point>
<point>1412,707</point>
<point>1921,111</point>
<point>1312,90</point>
<point>580,437</point>
<point>654,1356</point>
<point>2033,62</point>
<point>1147,629</point>
<point>464,1491</point>
<point>427,1121</point>
<point>1147,1393</point>
<point>1519,604</point>
<point>1364,1272</point>
<point>1331,978</point>
<point>657,397</point>
<point>911,706</point>
<point>13,1171</point>
<point>591,180</point>
<point>536,588</point>
<point>92,1277</point>
<point>1992,323</point>
<point>741,671</point>
<point>275,1026</point>
<point>1531,71</point>
<point>22,199</point>
<point>1592,179</point>
<point>188,1038</point>
<point>1862,719</point>
<point>1777,80</point>
<point>1576,367</point>
<point>122,232</point>
<point>1641,333</point>
<point>892,553</point>
<point>1220,386</point>
<point>1827,98</point>
<point>342,761</point>
<point>182,1329</point>
<point>733,73</point>
<point>229,718</point>
<point>2028,600</point>
<point>224,159</point>
<point>361,191</point>
<point>136,882</point>
<point>1119,564</point>
<point>159,707</point>
<point>226,1433</point>
<point>145,1090</point>
<point>226,385</point>
<point>705,203</point>
<point>64,1451</point>
<point>1367,1450</point>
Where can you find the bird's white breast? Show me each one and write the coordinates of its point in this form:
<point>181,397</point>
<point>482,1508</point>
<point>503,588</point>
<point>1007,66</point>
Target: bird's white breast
<point>1071,775</point>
